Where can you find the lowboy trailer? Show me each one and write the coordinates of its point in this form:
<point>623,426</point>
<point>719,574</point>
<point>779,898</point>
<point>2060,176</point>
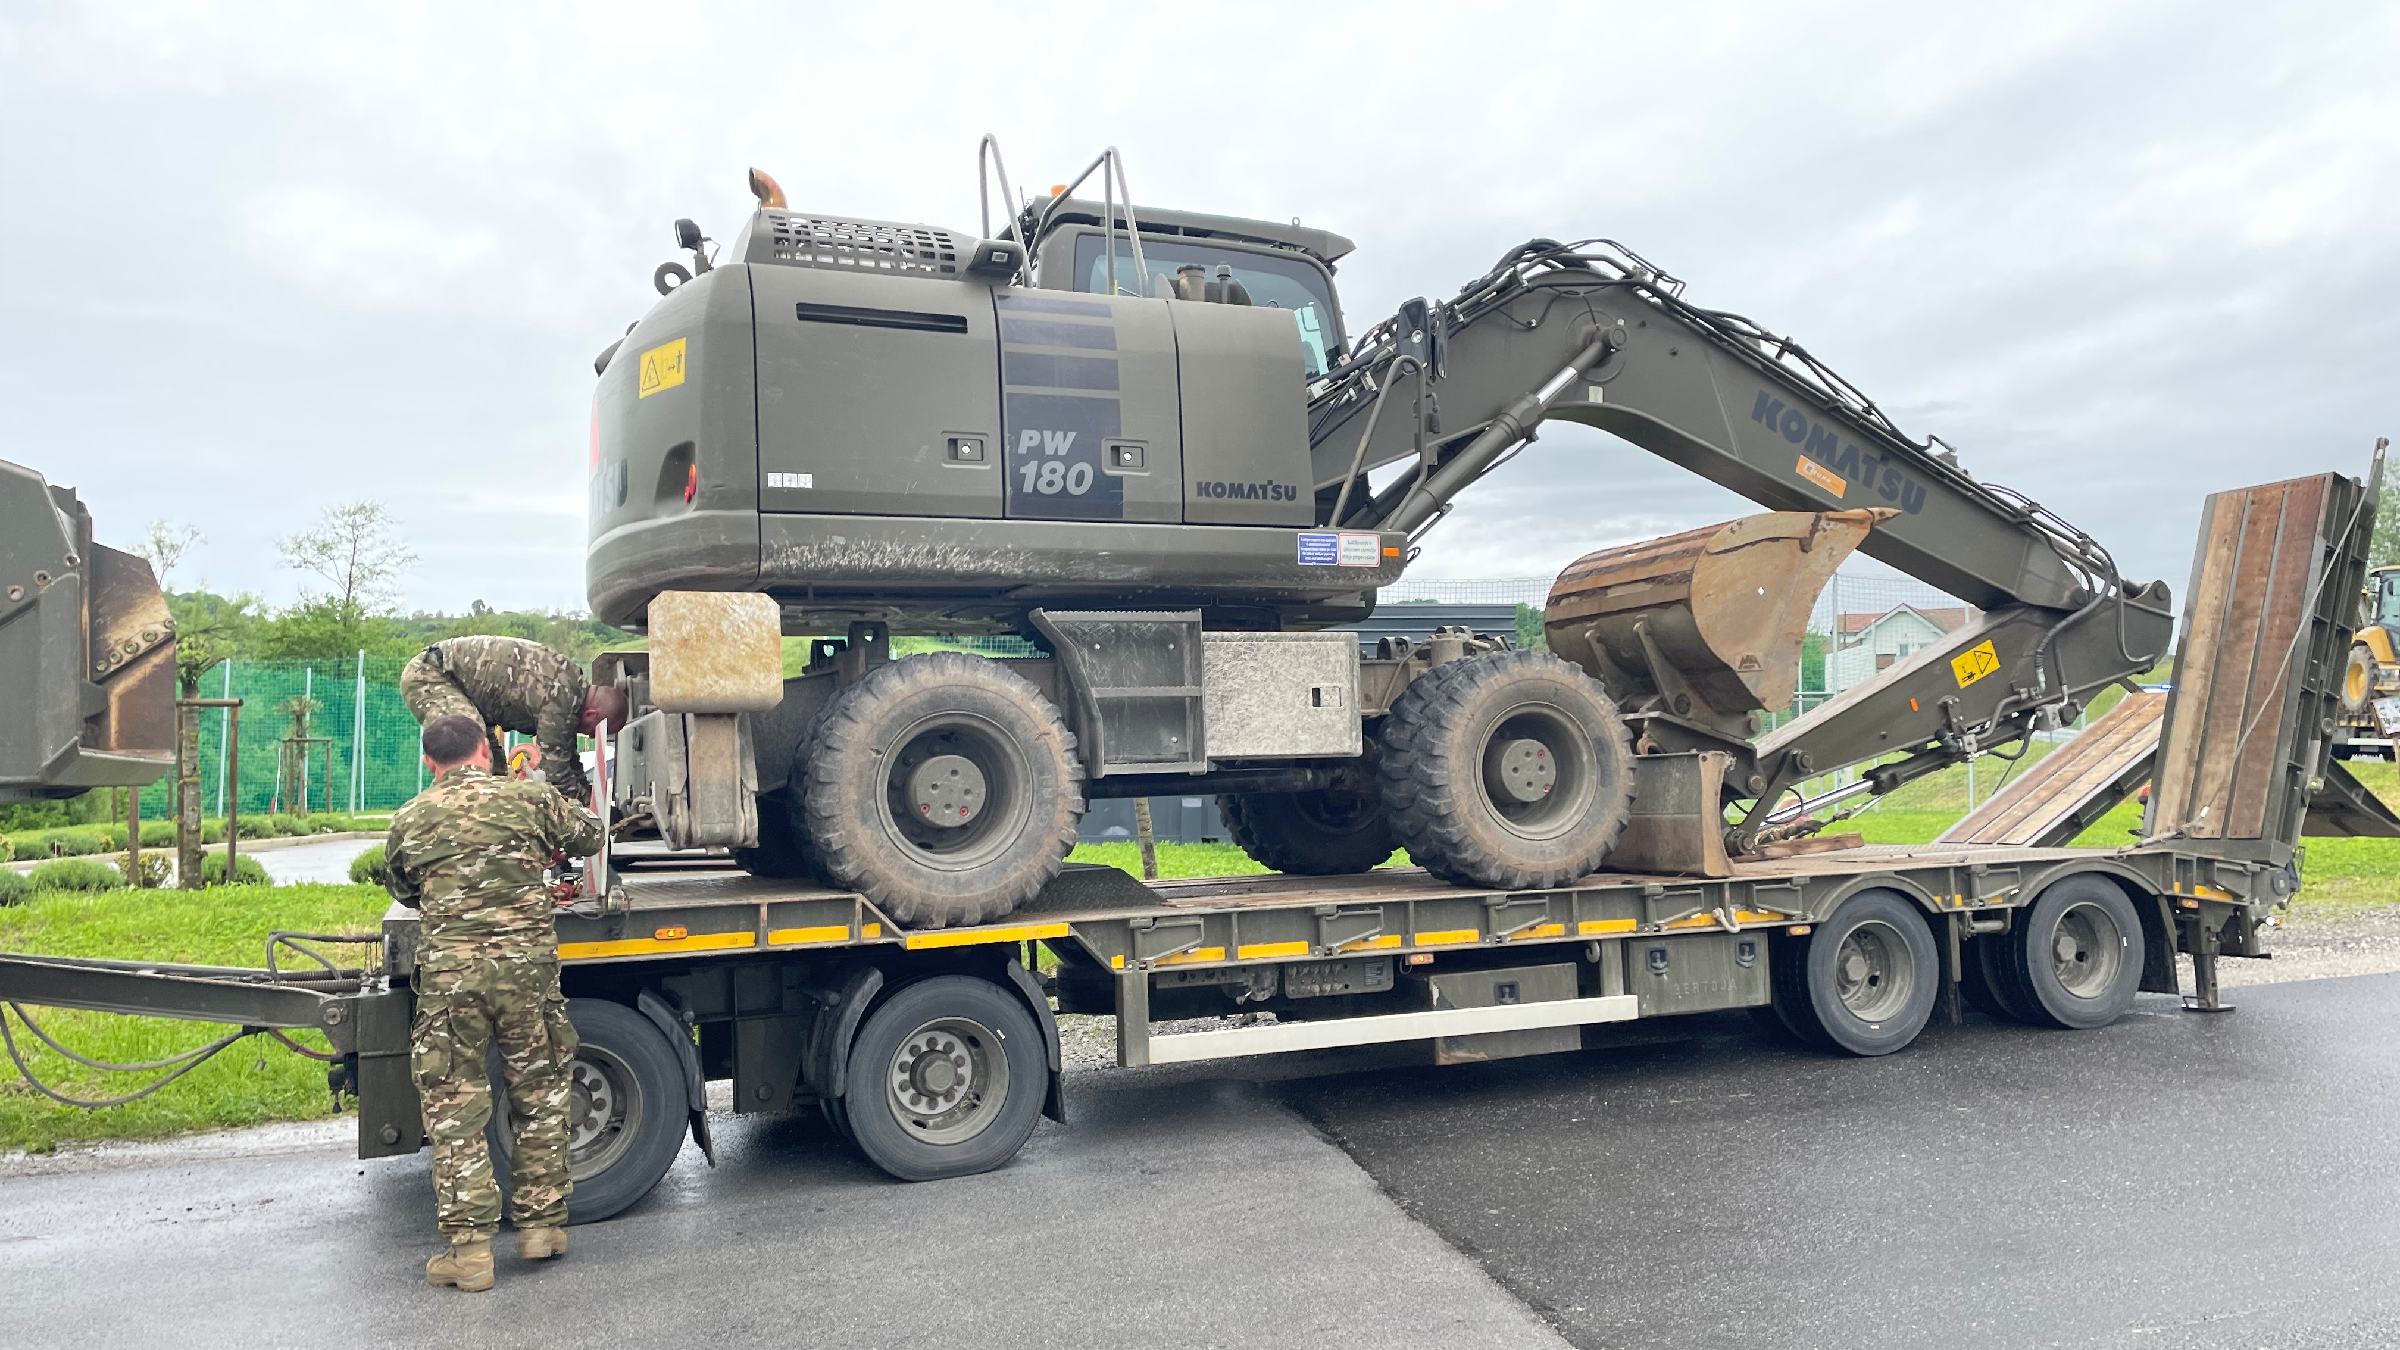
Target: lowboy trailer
<point>935,1049</point>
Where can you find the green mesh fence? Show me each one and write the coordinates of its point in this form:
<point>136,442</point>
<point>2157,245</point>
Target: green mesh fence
<point>362,748</point>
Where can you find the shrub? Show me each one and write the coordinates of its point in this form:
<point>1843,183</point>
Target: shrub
<point>212,832</point>
<point>367,868</point>
<point>150,875</point>
<point>212,871</point>
<point>8,849</point>
<point>76,874</point>
<point>14,887</point>
<point>256,827</point>
<point>158,834</point>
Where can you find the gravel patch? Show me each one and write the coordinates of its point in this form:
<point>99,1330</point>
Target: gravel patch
<point>2318,947</point>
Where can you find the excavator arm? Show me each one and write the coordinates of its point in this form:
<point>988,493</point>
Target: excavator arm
<point>1594,334</point>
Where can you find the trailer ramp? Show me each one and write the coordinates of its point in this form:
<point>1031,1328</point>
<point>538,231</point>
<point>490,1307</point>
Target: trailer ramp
<point>2060,795</point>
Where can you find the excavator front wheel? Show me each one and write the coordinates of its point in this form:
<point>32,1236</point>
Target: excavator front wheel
<point>2358,679</point>
<point>944,788</point>
<point>1510,769</point>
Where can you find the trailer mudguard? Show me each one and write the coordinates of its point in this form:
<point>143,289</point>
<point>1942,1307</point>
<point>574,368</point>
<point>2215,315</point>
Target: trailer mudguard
<point>688,1054</point>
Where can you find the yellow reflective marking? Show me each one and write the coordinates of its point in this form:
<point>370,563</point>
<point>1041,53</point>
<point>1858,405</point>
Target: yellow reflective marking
<point>1591,927</point>
<point>832,932</point>
<point>2208,892</point>
<point>978,937</point>
<point>1379,943</point>
<point>1193,957</point>
<point>1540,930</point>
<point>697,942</point>
<point>873,930</point>
<point>1448,936</point>
<point>662,367</point>
<point>1974,663</point>
<point>1116,963</point>
<point>1248,950</point>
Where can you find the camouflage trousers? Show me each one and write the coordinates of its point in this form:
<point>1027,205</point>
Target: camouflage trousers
<point>464,1008</point>
<point>429,693</point>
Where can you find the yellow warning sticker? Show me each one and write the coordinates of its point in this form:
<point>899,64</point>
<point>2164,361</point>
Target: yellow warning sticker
<point>662,367</point>
<point>1974,663</point>
<point>1821,476</point>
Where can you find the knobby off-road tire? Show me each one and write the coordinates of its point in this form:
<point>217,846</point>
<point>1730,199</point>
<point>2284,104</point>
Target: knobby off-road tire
<point>944,788</point>
<point>628,1115</point>
<point>2358,679</point>
<point>1510,769</point>
<point>1327,831</point>
<point>783,853</point>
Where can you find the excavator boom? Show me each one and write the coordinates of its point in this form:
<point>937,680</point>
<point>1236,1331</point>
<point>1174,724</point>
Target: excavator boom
<point>1594,334</point>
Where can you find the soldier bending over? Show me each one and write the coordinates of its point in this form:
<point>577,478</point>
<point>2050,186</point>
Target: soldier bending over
<point>469,852</point>
<point>518,685</point>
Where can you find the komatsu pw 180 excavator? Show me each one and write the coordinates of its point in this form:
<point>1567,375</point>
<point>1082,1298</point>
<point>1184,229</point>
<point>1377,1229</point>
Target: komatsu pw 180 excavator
<point>1145,440</point>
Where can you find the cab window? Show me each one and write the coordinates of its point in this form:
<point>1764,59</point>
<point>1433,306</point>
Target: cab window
<point>1287,283</point>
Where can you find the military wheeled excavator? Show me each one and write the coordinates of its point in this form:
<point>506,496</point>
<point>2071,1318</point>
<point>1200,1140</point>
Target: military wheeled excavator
<point>1144,441</point>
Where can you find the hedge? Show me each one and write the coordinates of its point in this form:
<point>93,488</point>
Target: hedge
<point>76,874</point>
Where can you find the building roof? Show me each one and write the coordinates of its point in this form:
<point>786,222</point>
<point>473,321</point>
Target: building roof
<point>1948,618</point>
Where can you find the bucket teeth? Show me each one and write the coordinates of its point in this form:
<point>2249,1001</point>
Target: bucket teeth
<point>1705,625</point>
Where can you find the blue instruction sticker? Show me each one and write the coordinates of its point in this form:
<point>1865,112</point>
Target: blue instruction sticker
<point>1320,550</point>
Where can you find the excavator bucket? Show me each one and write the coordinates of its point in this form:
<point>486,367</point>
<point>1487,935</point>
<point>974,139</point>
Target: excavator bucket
<point>87,651</point>
<point>1703,626</point>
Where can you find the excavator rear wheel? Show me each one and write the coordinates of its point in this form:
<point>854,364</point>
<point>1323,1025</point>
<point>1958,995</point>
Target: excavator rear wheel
<point>2358,679</point>
<point>1509,769</point>
<point>1325,831</point>
<point>943,787</point>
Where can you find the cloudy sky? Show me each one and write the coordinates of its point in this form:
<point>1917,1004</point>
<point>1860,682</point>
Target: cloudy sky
<point>263,258</point>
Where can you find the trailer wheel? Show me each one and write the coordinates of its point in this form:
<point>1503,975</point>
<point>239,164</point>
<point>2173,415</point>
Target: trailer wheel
<point>1509,769</point>
<point>1985,979</point>
<point>1865,981</point>
<point>1324,831</point>
<point>2078,959</point>
<point>626,1118</point>
<point>946,1079</point>
<point>944,788</point>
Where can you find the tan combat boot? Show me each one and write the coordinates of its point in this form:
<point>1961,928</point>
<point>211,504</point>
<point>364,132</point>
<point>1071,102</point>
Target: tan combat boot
<point>540,1244</point>
<point>466,1265</point>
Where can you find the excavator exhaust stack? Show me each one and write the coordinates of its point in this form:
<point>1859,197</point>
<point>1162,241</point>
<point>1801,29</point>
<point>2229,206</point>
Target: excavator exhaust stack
<point>1702,629</point>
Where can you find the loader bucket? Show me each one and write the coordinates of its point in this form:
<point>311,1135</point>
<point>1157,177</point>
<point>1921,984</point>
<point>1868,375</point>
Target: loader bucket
<point>87,651</point>
<point>1704,626</point>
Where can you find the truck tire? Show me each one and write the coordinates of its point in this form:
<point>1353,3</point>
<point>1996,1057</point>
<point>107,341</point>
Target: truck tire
<point>1510,769</point>
<point>1865,982</point>
<point>2077,960</point>
<point>1980,980</point>
<point>1328,831</point>
<point>944,788</point>
<point>630,1109</point>
<point>946,1079</point>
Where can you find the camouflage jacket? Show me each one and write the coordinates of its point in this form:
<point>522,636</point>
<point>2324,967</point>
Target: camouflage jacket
<point>469,852</point>
<point>524,686</point>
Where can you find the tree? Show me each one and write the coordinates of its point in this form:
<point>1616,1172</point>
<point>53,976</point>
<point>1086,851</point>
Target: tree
<point>2384,546</point>
<point>356,552</point>
<point>165,548</point>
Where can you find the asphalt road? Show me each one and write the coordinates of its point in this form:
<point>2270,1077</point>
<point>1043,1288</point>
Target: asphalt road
<point>2174,1181</point>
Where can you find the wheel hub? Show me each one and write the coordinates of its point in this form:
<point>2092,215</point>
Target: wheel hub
<point>947,791</point>
<point>1523,770</point>
<point>933,1074</point>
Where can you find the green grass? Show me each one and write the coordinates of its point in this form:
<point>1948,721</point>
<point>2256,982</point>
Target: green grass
<point>252,1082</point>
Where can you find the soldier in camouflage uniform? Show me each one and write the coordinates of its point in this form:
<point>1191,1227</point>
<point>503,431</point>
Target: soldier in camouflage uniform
<point>469,852</point>
<point>516,685</point>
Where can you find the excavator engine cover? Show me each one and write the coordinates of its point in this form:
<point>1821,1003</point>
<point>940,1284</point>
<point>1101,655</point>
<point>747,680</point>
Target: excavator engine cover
<point>1703,626</point>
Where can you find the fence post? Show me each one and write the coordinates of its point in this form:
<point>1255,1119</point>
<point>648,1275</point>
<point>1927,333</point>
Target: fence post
<point>358,731</point>
<point>224,734</point>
